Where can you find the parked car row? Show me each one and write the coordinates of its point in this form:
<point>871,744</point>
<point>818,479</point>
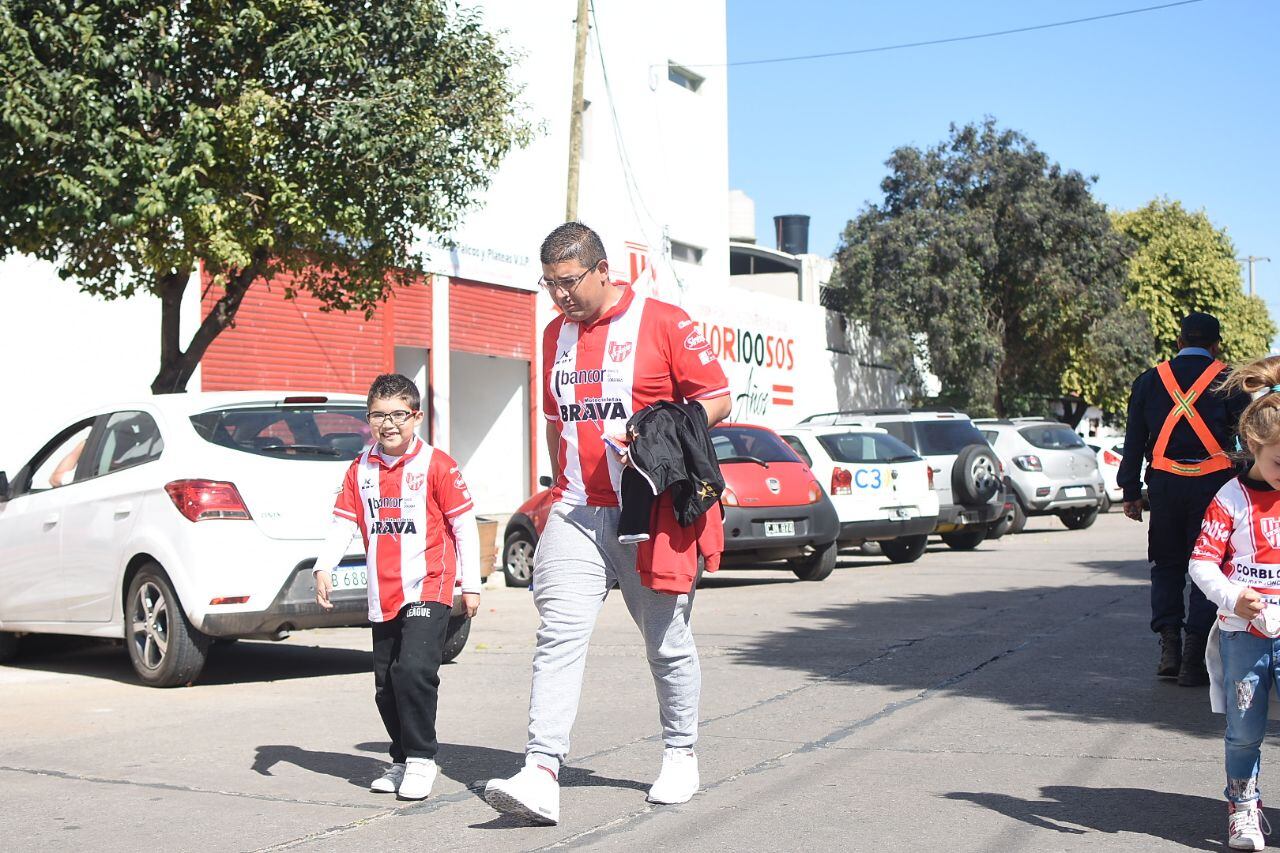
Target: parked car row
<point>888,476</point>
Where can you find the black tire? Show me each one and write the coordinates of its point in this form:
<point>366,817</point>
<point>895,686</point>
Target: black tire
<point>517,557</point>
<point>166,651</point>
<point>8,646</point>
<point>819,565</point>
<point>1018,522</point>
<point>455,638</point>
<point>997,529</point>
<point>965,540</point>
<point>905,549</point>
<point>1106,503</point>
<point>1079,519</point>
<point>975,476</point>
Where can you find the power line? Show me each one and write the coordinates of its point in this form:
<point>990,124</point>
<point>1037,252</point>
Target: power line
<point>951,40</point>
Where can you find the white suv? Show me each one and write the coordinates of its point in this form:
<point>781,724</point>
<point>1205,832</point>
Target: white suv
<point>966,472</point>
<point>178,519</point>
<point>1052,470</point>
<point>882,490</point>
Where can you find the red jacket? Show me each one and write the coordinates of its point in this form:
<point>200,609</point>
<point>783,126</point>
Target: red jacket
<point>668,561</point>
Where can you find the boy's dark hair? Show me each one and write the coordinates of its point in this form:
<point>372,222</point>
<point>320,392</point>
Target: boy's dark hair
<point>393,386</point>
<point>573,241</point>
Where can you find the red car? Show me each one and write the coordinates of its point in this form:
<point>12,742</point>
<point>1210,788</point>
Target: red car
<point>774,510</point>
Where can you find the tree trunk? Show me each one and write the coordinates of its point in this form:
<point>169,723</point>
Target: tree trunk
<point>177,365</point>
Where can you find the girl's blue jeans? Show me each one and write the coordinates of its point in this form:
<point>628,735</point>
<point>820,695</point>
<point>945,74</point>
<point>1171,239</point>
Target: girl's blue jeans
<point>1250,666</point>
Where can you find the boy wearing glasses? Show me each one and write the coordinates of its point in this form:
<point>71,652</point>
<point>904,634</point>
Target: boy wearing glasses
<point>409,502</point>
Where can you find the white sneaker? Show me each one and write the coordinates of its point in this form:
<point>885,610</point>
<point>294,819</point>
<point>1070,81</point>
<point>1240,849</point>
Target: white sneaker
<point>389,780</point>
<point>678,781</point>
<point>1244,826</point>
<point>533,794</point>
<point>419,776</point>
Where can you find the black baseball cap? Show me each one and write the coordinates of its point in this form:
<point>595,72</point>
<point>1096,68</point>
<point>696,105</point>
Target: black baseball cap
<point>1200,328</point>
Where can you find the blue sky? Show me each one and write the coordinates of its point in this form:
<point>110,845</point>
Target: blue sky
<point>1179,102</point>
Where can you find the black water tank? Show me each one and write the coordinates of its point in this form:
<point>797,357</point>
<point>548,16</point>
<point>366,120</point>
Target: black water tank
<point>792,232</point>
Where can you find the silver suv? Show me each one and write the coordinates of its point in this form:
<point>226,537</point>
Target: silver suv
<point>1052,470</point>
<point>966,472</point>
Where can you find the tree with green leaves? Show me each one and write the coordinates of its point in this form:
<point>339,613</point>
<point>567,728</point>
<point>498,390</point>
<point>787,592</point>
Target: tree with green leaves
<point>995,270</point>
<point>1182,263</point>
<point>314,137</point>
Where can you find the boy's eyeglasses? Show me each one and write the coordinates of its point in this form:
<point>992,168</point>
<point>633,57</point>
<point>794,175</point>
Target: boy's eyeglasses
<point>397,418</point>
<point>566,284</point>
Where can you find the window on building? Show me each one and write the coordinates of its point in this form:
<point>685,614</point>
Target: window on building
<point>682,76</point>
<point>685,252</point>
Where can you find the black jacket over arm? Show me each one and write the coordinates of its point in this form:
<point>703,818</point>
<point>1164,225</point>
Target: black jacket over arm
<point>670,449</point>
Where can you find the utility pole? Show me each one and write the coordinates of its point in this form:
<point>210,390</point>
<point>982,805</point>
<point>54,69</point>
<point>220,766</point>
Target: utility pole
<point>1250,260</point>
<point>575,115</point>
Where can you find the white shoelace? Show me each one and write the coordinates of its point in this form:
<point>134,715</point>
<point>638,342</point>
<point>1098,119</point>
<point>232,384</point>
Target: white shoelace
<point>1254,820</point>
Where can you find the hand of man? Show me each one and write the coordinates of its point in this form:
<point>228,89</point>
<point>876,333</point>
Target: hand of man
<point>1133,509</point>
<point>323,588</point>
<point>471,601</point>
<point>1249,604</point>
<point>621,440</point>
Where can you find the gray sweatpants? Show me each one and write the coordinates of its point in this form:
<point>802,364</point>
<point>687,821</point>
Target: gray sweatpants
<point>578,560</point>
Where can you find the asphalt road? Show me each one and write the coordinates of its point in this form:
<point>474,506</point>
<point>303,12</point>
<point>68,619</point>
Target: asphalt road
<point>1001,699</point>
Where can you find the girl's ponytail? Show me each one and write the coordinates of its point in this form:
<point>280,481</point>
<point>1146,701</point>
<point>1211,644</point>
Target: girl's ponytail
<point>1260,422</point>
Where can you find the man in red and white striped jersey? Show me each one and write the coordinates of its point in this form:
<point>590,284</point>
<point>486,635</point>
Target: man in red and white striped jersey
<point>609,354</point>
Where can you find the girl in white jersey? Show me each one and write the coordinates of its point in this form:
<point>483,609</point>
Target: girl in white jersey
<point>1236,563</point>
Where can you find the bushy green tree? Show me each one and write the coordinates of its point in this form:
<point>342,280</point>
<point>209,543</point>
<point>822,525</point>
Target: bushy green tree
<point>997,271</point>
<point>315,137</point>
<point>1182,263</point>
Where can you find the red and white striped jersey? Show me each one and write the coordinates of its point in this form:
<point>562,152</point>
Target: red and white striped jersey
<point>1240,536</point>
<point>596,376</point>
<point>402,506</point>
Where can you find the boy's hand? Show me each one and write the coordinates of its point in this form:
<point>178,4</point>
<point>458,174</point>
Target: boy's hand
<point>323,588</point>
<point>1249,604</point>
<point>471,601</point>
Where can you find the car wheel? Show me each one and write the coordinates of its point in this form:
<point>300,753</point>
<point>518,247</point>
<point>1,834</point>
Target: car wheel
<point>975,476</point>
<point>819,565</point>
<point>965,540</point>
<point>1105,506</point>
<point>517,557</point>
<point>455,638</point>
<point>1079,519</point>
<point>8,646</point>
<point>166,650</point>
<point>1018,521</point>
<point>997,529</point>
<point>905,549</point>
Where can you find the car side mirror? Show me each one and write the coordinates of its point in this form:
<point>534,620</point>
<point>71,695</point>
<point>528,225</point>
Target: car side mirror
<point>4,487</point>
<point>543,481</point>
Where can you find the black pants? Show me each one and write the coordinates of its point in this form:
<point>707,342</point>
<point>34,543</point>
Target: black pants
<point>406,676</point>
<point>1177,508</point>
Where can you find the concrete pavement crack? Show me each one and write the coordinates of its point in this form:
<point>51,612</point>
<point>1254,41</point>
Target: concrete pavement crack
<point>167,786</point>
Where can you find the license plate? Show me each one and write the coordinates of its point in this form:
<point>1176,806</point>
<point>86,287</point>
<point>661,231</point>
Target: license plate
<point>779,528</point>
<point>349,577</point>
<point>1075,492</point>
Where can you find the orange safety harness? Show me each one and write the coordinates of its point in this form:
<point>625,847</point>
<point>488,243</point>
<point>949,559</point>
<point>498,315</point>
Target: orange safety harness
<point>1184,407</point>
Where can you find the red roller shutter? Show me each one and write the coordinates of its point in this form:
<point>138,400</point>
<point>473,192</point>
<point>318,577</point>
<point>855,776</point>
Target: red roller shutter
<point>486,319</point>
<point>292,344</point>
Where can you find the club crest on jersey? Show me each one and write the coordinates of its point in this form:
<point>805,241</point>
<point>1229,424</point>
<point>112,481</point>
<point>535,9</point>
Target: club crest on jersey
<point>1271,530</point>
<point>413,482</point>
<point>620,351</point>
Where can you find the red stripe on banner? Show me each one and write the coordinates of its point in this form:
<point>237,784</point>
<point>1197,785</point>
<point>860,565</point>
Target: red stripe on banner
<point>782,401</point>
<point>783,389</point>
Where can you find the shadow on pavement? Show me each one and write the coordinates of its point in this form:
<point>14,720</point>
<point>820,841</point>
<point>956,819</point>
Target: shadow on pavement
<point>1062,652</point>
<point>245,662</point>
<point>1180,818</point>
<point>358,770</point>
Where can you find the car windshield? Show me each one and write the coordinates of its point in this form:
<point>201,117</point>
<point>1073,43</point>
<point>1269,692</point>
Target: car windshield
<point>946,438</point>
<point>744,444</point>
<point>336,431</point>
<point>1052,437</point>
<point>866,448</point>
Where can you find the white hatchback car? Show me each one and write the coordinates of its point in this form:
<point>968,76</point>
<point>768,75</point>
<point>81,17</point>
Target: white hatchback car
<point>883,491</point>
<point>182,518</point>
